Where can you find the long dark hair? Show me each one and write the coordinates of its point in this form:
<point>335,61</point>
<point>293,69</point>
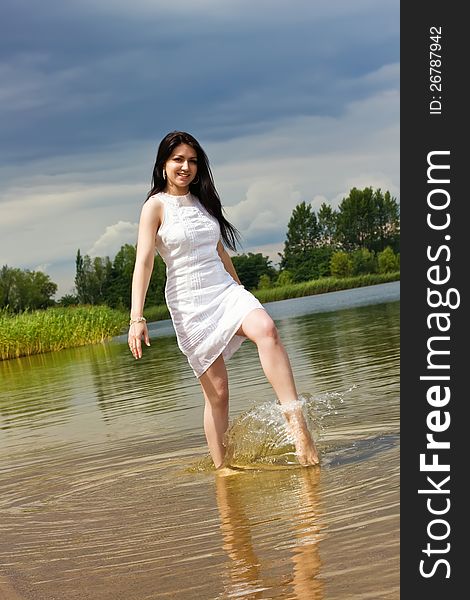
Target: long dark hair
<point>203,188</point>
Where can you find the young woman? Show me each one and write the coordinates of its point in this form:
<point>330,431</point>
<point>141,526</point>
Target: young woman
<point>211,311</point>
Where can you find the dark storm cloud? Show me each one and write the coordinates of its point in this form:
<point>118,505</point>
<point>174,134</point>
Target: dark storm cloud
<point>77,76</point>
<point>292,100</point>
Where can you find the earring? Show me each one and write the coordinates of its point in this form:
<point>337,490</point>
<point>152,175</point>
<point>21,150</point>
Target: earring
<point>164,174</point>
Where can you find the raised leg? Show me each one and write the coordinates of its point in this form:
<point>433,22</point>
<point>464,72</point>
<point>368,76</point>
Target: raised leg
<point>260,328</point>
<point>214,383</point>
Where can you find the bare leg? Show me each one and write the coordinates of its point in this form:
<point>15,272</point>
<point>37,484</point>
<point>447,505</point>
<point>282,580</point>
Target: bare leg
<point>260,328</point>
<point>214,383</point>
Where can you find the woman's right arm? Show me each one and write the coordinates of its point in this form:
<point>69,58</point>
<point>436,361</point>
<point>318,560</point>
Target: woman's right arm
<point>150,219</point>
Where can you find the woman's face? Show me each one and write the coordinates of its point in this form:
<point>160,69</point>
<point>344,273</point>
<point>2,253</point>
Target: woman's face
<point>181,169</point>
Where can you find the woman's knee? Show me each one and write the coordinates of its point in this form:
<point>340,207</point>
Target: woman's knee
<point>215,386</point>
<point>260,327</point>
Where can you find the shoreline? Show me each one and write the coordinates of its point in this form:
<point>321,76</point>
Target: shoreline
<point>314,287</point>
<point>107,331</point>
<point>294,307</point>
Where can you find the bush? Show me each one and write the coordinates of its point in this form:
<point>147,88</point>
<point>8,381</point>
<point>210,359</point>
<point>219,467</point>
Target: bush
<point>388,261</point>
<point>285,277</point>
<point>264,282</point>
<point>363,261</point>
<point>341,264</point>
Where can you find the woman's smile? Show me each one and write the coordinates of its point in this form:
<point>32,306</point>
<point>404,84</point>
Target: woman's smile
<point>181,169</point>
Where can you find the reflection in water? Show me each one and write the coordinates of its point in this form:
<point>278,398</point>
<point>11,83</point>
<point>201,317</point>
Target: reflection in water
<point>363,339</point>
<point>245,568</point>
<point>144,387</point>
<point>98,501</point>
<point>252,573</point>
<point>35,390</point>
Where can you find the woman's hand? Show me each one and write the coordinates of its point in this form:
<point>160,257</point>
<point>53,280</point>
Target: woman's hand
<point>137,331</point>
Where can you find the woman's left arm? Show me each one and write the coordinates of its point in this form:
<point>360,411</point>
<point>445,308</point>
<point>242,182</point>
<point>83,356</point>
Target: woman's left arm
<point>227,261</point>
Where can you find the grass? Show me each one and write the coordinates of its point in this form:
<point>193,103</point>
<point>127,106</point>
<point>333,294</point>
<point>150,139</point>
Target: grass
<point>57,328</point>
<point>323,285</point>
<point>157,313</point>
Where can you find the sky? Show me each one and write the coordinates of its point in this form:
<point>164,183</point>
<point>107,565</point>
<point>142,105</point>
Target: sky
<point>292,101</point>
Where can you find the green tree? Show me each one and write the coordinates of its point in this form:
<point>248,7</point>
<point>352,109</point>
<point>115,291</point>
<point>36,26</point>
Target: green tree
<point>368,219</point>
<point>388,261</point>
<point>327,223</point>
<point>7,286</point>
<point>264,282</point>
<point>302,235</point>
<point>387,222</point>
<point>285,277</point>
<point>24,289</point>
<point>68,300</point>
<point>81,278</point>
<point>250,267</point>
<point>100,278</point>
<point>363,261</point>
<point>92,278</point>
<point>39,290</point>
<point>156,290</point>
<point>118,294</point>
<point>100,281</point>
<point>341,264</point>
<point>304,256</point>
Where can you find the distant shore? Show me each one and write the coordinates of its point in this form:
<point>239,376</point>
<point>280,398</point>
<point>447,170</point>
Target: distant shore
<point>58,328</point>
<point>297,290</point>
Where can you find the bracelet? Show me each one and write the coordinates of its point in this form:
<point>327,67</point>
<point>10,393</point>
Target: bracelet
<point>137,320</point>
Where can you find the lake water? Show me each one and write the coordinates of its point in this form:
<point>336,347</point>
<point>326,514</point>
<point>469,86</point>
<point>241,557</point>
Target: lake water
<point>106,492</point>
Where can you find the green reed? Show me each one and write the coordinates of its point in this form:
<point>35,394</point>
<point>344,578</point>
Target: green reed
<point>322,285</point>
<point>157,313</point>
<point>57,328</point>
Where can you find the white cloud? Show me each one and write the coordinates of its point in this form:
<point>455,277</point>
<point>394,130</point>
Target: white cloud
<point>262,177</point>
<point>32,205</point>
<point>43,267</point>
<point>267,203</point>
<point>113,238</point>
<point>272,251</point>
<point>386,75</point>
<point>68,203</point>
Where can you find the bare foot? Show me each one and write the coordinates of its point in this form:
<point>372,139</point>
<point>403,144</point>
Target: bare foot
<point>226,471</point>
<point>305,449</point>
<point>306,452</point>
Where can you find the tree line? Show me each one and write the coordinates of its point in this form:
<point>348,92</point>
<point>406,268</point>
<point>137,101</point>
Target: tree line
<point>24,289</point>
<point>361,236</point>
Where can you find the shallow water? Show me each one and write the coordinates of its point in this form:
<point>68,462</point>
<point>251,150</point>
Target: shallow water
<point>107,494</point>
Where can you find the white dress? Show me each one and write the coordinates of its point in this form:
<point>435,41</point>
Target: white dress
<point>207,306</point>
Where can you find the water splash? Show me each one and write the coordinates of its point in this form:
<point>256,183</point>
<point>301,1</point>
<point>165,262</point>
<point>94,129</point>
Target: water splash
<point>322,406</point>
<point>258,438</point>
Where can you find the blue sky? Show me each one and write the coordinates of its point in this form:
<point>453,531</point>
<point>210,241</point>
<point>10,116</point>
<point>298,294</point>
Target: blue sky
<point>292,101</point>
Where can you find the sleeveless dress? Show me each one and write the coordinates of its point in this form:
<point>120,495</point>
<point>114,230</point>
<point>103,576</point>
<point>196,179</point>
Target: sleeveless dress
<point>207,306</point>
